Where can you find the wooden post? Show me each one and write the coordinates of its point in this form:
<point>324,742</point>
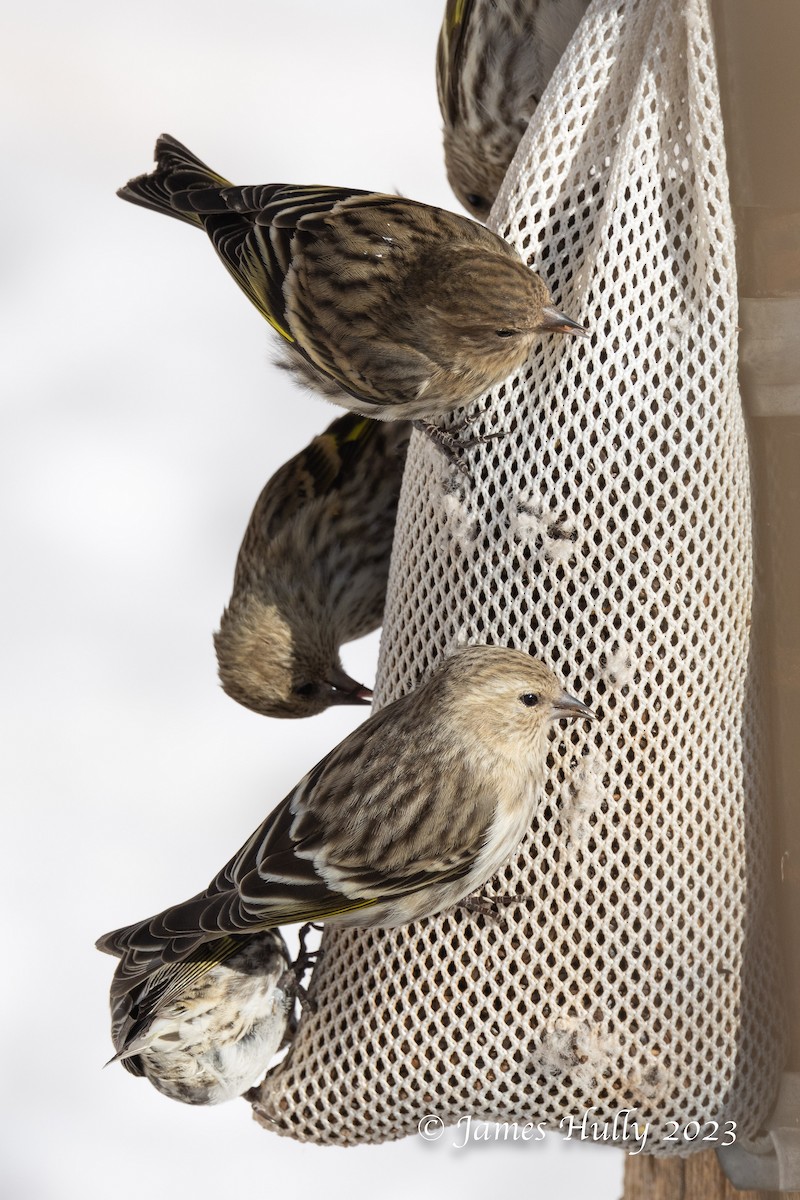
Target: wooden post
<point>698,1177</point>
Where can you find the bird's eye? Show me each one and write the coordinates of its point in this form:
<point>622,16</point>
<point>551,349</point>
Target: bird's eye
<point>305,689</point>
<point>529,699</point>
<point>504,332</point>
<point>476,201</point>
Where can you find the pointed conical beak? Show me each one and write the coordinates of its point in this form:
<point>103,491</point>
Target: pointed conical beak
<point>568,706</point>
<point>554,321</point>
<point>345,690</point>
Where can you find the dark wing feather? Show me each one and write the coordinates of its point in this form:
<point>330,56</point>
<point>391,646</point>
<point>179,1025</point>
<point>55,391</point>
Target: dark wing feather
<point>257,260</point>
<point>163,986</point>
<point>252,227</point>
<point>179,932</point>
<point>273,880</point>
<point>290,206</point>
<point>327,463</point>
<point>449,53</point>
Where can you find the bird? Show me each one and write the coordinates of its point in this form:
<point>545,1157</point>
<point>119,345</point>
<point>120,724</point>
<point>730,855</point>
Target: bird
<point>312,570</point>
<point>494,58</point>
<point>400,311</point>
<point>206,1037</point>
<point>414,810</point>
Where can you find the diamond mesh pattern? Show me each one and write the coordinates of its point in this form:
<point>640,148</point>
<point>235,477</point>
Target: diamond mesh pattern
<point>607,531</point>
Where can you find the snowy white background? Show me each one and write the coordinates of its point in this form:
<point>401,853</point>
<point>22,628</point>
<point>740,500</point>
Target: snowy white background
<point>141,416</point>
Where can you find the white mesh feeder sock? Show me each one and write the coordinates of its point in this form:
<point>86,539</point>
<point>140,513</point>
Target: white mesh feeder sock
<point>609,533</point>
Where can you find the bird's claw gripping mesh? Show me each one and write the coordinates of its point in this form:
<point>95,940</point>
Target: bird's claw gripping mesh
<point>609,532</point>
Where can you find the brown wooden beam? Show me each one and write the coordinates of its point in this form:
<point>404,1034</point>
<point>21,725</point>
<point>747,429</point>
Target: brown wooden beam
<point>698,1177</point>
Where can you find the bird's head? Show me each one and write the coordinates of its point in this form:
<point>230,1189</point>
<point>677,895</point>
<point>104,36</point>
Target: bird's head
<point>475,174</point>
<point>505,699</point>
<point>281,668</point>
<point>480,311</point>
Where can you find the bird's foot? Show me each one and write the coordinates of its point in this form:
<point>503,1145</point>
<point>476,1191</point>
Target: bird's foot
<point>450,446</point>
<point>307,1003</point>
<point>489,906</point>
<point>305,960</point>
<point>290,982</point>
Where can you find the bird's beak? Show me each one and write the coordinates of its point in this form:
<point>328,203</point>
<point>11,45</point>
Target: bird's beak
<point>568,706</point>
<point>554,321</point>
<point>345,690</point>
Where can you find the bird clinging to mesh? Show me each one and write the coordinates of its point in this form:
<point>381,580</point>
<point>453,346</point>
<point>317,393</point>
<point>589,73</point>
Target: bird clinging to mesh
<point>312,570</point>
<point>493,61</point>
<point>410,813</point>
<point>207,1035</point>
<point>400,310</point>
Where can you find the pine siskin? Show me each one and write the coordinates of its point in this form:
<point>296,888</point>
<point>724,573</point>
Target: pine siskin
<point>414,810</point>
<point>206,1034</point>
<point>493,61</point>
<point>408,310</point>
<point>312,570</point>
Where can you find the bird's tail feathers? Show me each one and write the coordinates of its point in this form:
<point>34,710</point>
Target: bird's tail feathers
<point>127,1053</point>
<point>113,942</point>
<point>168,188</point>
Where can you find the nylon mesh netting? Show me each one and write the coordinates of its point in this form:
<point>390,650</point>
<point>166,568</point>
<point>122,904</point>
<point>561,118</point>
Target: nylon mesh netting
<point>607,531</point>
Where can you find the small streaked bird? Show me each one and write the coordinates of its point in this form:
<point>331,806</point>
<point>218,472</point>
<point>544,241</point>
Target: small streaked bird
<point>412,812</point>
<point>312,570</point>
<point>400,310</point>
<point>204,1032</point>
<point>494,59</point>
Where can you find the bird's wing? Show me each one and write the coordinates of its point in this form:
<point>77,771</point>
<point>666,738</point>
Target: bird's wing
<point>183,186</point>
<point>257,261</point>
<point>252,228</point>
<point>293,206</point>
<point>452,38</point>
<point>296,893</point>
<point>312,859</point>
<point>133,1011</point>
<point>319,470</point>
